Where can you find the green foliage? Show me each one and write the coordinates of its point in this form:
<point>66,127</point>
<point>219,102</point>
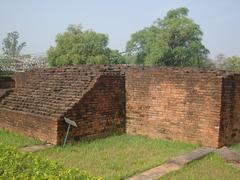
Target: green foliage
<point>5,73</point>
<point>116,58</point>
<point>76,46</point>
<point>16,165</point>
<point>231,64</point>
<point>172,41</point>
<point>11,47</point>
<point>236,147</point>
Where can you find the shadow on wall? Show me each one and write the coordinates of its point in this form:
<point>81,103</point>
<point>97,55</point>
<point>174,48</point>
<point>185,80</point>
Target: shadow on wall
<point>6,83</point>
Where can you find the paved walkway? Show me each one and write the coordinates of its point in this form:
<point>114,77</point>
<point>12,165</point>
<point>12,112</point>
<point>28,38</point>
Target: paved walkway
<point>173,164</point>
<point>35,148</point>
<point>229,155</point>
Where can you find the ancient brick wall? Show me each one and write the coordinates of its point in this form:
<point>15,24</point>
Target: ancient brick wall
<point>178,104</point>
<point>50,92</point>
<point>100,112</point>
<point>24,109</point>
<point>20,78</point>
<point>230,110</point>
<point>28,124</point>
<point>172,103</point>
<point>54,93</point>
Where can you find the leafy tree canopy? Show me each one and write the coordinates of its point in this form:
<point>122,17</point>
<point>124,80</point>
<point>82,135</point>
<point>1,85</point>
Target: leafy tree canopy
<point>11,47</point>
<point>76,46</point>
<point>172,41</point>
<point>231,64</point>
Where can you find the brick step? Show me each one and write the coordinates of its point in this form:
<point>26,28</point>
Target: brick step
<point>39,102</point>
<point>25,97</point>
<point>53,91</point>
<point>35,110</point>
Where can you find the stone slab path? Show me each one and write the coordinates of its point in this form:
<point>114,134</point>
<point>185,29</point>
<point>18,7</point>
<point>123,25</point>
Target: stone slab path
<point>35,148</point>
<point>229,155</point>
<point>173,164</point>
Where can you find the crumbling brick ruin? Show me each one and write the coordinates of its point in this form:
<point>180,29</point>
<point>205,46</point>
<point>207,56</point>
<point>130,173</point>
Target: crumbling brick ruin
<point>92,96</point>
<point>189,105</point>
<point>184,104</point>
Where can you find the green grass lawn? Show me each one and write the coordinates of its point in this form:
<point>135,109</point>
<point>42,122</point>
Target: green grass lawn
<point>117,157</point>
<point>210,167</point>
<point>236,147</point>
<point>16,140</point>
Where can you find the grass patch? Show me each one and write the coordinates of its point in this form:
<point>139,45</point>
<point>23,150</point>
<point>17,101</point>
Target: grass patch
<point>117,157</point>
<point>209,168</point>
<point>236,147</point>
<point>16,140</point>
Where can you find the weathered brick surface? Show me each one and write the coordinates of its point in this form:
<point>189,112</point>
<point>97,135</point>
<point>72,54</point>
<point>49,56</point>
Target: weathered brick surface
<point>50,92</point>
<point>41,127</point>
<point>174,104</point>
<point>230,110</point>
<point>21,78</point>
<point>59,92</point>
<point>100,112</point>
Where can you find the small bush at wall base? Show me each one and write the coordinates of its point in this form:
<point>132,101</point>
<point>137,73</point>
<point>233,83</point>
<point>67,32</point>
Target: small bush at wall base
<point>16,165</point>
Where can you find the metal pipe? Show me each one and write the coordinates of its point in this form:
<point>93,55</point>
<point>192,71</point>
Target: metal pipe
<point>65,139</point>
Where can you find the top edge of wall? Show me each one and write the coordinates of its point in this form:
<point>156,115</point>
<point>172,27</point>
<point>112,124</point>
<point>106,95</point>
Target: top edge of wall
<point>124,68</point>
<point>186,70</point>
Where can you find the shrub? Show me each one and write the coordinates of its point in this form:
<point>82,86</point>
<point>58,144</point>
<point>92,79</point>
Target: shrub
<point>17,165</point>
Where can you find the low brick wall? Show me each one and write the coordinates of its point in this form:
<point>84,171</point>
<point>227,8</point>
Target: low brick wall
<point>93,96</point>
<point>40,127</point>
<point>188,105</point>
<point>230,110</point>
<point>101,111</point>
<point>174,104</point>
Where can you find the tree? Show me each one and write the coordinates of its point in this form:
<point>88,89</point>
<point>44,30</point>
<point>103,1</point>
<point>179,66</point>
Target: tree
<point>76,46</point>
<point>172,41</point>
<point>231,64</point>
<point>11,47</point>
<point>228,63</point>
